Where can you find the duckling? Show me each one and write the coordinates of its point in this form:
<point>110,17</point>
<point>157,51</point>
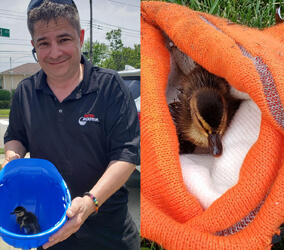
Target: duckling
<point>27,220</point>
<point>203,111</point>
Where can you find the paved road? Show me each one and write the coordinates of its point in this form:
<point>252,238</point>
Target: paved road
<point>134,205</point>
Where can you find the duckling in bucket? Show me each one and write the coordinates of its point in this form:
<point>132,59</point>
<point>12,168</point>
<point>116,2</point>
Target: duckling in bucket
<point>27,220</point>
<point>203,111</point>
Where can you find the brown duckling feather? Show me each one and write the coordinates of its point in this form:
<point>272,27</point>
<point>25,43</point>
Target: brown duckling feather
<point>203,110</point>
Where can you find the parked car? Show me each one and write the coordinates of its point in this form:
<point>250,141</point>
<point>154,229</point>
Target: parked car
<point>131,79</point>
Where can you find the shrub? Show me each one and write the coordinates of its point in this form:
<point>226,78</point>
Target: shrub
<point>5,95</point>
<point>4,104</point>
<point>13,92</point>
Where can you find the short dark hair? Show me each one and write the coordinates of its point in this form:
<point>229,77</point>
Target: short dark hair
<point>50,10</point>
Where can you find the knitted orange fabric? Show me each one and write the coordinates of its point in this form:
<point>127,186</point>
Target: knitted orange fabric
<point>170,215</point>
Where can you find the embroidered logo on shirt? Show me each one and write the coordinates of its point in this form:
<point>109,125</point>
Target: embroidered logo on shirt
<point>87,118</point>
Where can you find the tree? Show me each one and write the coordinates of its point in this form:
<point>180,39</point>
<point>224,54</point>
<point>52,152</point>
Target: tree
<point>127,56</point>
<point>120,55</point>
<point>132,56</point>
<point>114,37</point>
<point>100,51</point>
<point>114,61</point>
<point>115,56</point>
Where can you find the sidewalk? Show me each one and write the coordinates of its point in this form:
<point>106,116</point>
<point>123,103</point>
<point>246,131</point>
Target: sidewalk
<point>5,246</point>
<point>2,157</point>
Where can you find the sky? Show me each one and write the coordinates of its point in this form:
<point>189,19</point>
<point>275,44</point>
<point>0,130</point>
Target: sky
<point>107,15</point>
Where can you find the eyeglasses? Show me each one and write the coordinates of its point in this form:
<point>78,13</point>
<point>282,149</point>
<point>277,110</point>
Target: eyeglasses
<point>36,3</point>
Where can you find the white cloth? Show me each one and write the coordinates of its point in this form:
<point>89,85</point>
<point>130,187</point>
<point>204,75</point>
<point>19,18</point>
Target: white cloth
<point>207,177</point>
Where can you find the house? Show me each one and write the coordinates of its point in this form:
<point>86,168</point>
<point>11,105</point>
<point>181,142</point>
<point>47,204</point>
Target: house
<point>10,79</point>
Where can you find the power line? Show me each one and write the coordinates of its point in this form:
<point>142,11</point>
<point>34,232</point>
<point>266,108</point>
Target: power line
<point>112,25</point>
<point>12,11</point>
<point>12,51</point>
<point>11,15</point>
<point>21,44</point>
<point>16,39</point>
<point>122,32</point>
<point>20,17</point>
<point>107,27</point>
<point>132,5</point>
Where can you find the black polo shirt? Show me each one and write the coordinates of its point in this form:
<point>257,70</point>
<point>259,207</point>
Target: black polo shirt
<point>95,124</point>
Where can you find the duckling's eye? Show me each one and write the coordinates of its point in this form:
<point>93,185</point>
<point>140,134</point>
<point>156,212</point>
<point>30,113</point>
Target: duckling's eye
<point>202,126</point>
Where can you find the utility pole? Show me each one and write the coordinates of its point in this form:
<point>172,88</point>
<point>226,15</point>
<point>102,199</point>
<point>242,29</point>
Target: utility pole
<point>91,32</point>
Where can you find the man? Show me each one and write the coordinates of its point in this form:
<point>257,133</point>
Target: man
<point>82,119</point>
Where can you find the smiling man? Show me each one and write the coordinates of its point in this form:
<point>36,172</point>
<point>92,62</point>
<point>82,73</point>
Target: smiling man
<point>58,48</point>
<point>83,119</point>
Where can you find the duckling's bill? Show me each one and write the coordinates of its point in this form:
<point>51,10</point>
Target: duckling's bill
<point>215,145</point>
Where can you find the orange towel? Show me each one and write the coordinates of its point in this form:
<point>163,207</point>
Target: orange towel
<point>252,61</point>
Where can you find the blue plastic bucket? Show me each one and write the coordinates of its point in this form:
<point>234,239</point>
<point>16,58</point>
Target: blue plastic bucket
<point>38,186</point>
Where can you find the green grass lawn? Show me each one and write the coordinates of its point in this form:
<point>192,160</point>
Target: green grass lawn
<point>253,13</point>
<point>4,113</point>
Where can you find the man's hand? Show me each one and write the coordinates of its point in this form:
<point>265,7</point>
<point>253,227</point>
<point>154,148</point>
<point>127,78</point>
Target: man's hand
<point>79,211</point>
<point>114,177</point>
<point>10,158</point>
<point>13,150</point>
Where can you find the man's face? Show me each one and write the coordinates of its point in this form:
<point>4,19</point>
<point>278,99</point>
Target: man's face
<point>58,48</point>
